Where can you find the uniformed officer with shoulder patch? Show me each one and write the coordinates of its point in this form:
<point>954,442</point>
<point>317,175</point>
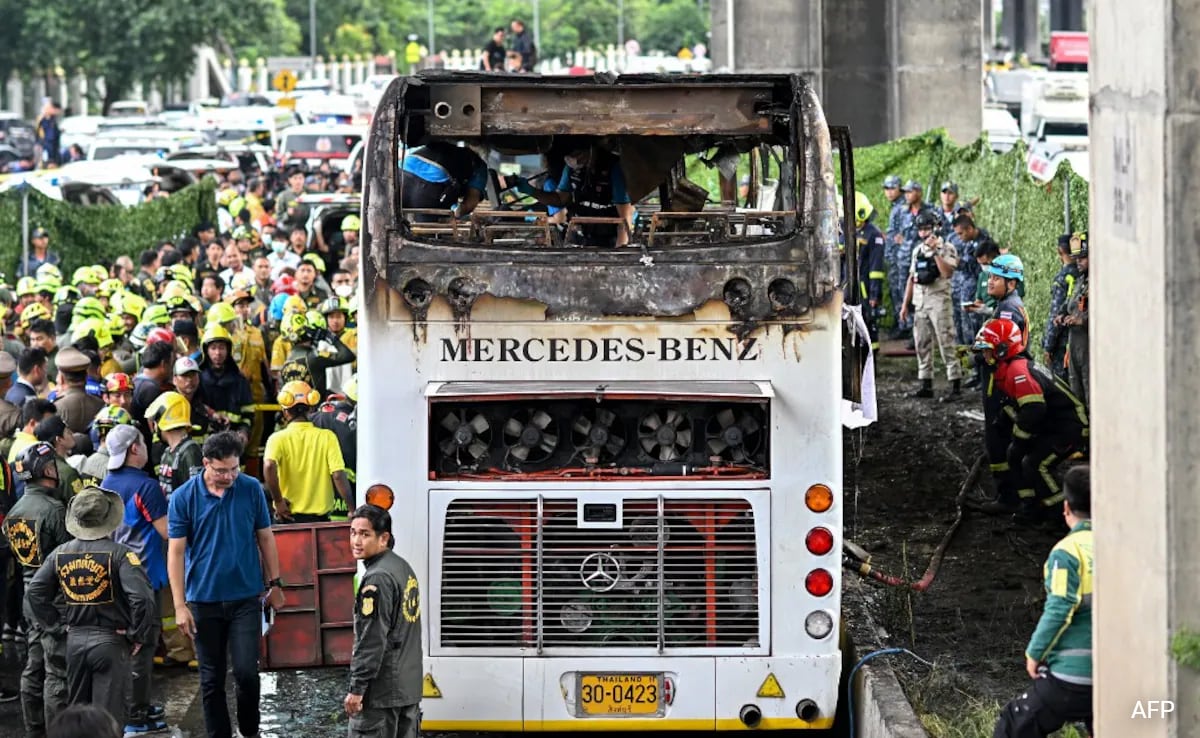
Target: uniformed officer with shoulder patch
<point>386,666</point>
<point>109,610</point>
<point>35,526</point>
<point>75,406</point>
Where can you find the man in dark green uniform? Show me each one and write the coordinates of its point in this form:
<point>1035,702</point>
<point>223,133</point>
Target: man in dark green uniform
<point>35,526</point>
<point>385,666</point>
<point>109,603</point>
<point>314,349</point>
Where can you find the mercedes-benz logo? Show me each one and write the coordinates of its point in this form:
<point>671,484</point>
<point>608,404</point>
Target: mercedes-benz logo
<point>600,571</point>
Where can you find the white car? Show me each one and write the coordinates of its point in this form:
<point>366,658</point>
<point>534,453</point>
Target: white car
<point>1001,128</point>
<point>312,144</point>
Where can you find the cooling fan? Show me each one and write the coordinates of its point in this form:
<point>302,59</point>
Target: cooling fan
<point>734,434</point>
<point>531,436</point>
<point>466,436</point>
<point>595,437</point>
<point>665,435</point>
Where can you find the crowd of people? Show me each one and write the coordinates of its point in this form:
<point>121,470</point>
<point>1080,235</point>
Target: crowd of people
<point>223,362</point>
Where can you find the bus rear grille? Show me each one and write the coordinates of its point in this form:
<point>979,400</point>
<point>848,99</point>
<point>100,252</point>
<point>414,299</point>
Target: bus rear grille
<point>676,574</point>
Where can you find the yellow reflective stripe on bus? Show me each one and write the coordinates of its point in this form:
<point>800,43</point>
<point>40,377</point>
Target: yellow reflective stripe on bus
<point>620,725</point>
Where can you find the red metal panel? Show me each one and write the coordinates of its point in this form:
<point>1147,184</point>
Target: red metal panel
<point>316,625</point>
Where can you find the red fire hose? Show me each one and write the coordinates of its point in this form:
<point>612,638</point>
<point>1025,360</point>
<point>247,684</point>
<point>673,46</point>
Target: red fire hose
<point>858,560</point>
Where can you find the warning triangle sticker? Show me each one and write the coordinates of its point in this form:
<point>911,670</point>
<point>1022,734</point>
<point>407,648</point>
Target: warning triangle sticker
<point>429,688</point>
<point>770,687</point>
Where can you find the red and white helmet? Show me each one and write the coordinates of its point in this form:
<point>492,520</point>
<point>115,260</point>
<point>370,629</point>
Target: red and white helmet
<point>1002,336</point>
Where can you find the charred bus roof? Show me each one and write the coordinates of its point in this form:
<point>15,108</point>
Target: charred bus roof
<point>654,121</point>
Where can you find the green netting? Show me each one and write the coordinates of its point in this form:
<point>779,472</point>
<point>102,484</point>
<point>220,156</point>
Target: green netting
<point>90,234</point>
<point>1021,213</point>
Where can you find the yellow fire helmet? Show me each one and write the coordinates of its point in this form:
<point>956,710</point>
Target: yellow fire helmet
<point>33,311</point>
<point>316,319</point>
<point>156,314</point>
<point>215,332</point>
<point>26,286</point>
<point>221,312</point>
<point>350,389</point>
<point>294,304</point>
<point>863,209</point>
<point>109,287</point>
<point>173,289</point>
<point>128,303</point>
<point>294,326</point>
<point>116,325</point>
<point>298,393</point>
<point>49,271</point>
<point>183,273</point>
<point>169,411</point>
<point>48,284</point>
<point>93,327</point>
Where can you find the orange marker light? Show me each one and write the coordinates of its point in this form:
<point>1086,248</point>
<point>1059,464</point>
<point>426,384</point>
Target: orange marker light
<point>818,498</point>
<point>381,495</point>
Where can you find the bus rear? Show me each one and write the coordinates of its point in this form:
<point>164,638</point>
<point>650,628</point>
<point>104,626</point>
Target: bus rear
<point>617,470</point>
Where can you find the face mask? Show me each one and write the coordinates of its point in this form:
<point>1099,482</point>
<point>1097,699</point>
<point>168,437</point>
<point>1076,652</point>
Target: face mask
<point>279,246</point>
<point>344,290</point>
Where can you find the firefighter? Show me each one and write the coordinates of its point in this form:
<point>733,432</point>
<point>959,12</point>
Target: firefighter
<point>336,311</point>
<point>34,527</point>
<point>1043,422</point>
<point>340,415</point>
<point>385,665</point>
<point>314,351</point>
<point>871,274</point>
<point>250,354</point>
<point>225,389</point>
<point>302,464</point>
<point>109,613</point>
<point>95,467</point>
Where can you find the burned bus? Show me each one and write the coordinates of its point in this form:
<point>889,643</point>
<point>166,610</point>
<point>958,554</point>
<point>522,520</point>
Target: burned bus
<point>616,468</point>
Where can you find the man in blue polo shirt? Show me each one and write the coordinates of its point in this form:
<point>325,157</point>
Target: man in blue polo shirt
<point>219,528</point>
<point>442,176</point>
<point>144,529</point>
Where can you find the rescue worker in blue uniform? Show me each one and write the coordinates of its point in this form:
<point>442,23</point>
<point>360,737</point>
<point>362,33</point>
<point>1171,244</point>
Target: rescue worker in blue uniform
<point>442,176</point>
<point>109,614</point>
<point>35,526</point>
<point>897,271</point>
<point>871,272</point>
<point>386,663</point>
<point>1054,337</point>
<point>592,185</point>
<point>1058,657</point>
<point>907,239</point>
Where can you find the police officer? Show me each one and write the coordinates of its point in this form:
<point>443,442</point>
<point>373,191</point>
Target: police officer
<point>442,176</point>
<point>385,665</point>
<point>35,526</point>
<point>109,611</point>
<point>963,284</point>
<point>75,406</point>
<point>933,262</point>
<point>903,235</point>
<point>1054,337</point>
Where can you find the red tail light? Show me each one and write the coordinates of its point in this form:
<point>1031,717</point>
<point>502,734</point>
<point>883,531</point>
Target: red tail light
<point>819,541</point>
<point>818,582</point>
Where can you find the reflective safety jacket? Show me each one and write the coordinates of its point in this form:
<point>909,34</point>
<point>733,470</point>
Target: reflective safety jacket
<point>1038,403</point>
<point>871,272</point>
<point>1063,637</point>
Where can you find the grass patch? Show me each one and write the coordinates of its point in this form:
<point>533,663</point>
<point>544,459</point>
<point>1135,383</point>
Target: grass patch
<point>1185,647</point>
<point>977,720</point>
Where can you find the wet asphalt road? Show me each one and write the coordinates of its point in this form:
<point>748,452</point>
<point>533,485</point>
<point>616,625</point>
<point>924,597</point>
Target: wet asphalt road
<point>295,704</point>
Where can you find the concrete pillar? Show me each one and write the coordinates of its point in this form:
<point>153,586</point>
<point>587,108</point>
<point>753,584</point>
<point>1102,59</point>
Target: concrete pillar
<point>245,76</point>
<point>858,69</point>
<point>79,89</point>
<point>1019,24</point>
<point>1066,15</point>
<point>937,55</point>
<point>1145,156</point>
<point>262,80</point>
<point>769,36</point>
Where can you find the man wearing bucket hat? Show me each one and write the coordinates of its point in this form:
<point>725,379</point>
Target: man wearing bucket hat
<point>109,611</point>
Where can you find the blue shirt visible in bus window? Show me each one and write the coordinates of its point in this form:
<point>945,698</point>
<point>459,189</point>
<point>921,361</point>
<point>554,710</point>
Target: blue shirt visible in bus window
<point>431,172</point>
<point>222,561</point>
<point>619,195</point>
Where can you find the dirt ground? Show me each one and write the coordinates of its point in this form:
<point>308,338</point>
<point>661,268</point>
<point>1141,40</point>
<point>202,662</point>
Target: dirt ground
<point>902,476</point>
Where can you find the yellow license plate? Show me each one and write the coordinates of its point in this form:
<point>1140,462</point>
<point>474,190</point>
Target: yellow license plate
<point>620,694</point>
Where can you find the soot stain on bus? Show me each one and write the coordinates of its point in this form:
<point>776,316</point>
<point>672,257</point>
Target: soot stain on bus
<point>769,262</point>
